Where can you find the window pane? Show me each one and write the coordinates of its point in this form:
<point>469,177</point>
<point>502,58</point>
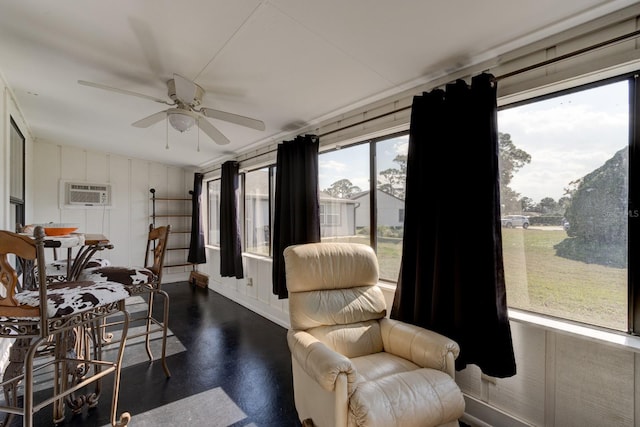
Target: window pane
<point>344,195</point>
<point>16,164</point>
<point>564,173</point>
<point>272,196</point>
<point>391,166</point>
<point>213,188</point>
<point>256,201</point>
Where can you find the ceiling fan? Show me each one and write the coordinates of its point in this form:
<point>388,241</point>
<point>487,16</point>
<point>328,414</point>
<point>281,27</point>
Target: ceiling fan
<point>186,97</point>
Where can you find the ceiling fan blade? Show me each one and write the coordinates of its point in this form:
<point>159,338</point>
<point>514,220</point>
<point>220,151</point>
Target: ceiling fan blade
<point>123,91</point>
<point>233,118</point>
<point>211,130</point>
<point>150,120</point>
<point>185,89</point>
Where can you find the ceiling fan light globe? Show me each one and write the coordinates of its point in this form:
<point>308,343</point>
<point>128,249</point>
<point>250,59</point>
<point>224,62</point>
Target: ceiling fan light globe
<point>181,122</point>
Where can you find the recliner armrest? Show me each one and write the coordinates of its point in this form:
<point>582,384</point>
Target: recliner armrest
<point>423,347</point>
<point>319,361</point>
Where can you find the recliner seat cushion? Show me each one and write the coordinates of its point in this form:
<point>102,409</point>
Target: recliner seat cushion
<point>407,399</point>
<point>372,367</point>
<point>352,340</point>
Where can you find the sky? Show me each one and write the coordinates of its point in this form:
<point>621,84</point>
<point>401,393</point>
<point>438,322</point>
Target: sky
<point>566,136</point>
<point>353,162</point>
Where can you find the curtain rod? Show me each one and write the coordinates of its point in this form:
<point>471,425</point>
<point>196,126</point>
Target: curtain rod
<point>568,55</point>
<point>540,64</point>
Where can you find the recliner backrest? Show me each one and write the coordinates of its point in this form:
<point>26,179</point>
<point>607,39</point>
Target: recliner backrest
<point>321,266</point>
<point>333,295</point>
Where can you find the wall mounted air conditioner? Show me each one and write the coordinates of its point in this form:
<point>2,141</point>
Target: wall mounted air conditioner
<point>85,194</point>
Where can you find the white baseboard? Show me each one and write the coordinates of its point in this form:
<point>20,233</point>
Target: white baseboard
<point>480,414</point>
<point>266,311</point>
<point>175,277</point>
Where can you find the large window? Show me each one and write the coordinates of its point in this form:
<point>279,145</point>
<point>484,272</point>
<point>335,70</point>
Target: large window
<point>565,167</point>
<point>354,178</point>
<point>567,163</point>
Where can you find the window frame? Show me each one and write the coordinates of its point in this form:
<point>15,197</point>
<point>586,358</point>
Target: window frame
<point>270,169</point>
<point>216,209</point>
<point>633,234</point>
<point>373,186</point>
<point>17,141</point>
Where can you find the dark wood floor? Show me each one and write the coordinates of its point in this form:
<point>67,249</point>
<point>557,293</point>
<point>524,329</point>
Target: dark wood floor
<point>226,347</point>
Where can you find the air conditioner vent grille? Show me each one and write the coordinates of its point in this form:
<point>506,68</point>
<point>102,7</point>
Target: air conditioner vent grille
<point>86,194</point>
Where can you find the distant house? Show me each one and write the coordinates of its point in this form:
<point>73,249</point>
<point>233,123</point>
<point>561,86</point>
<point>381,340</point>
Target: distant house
<point>390,209</point>
<point>337,216</point>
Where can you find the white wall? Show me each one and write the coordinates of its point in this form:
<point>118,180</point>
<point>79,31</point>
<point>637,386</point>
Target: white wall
<point>126,223</point>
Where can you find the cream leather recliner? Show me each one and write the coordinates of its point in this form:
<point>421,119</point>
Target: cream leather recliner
<point>353,366</point>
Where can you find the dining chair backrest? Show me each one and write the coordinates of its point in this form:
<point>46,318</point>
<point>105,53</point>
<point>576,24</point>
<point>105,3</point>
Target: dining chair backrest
<point>25,252</point>
<point>156,245</point>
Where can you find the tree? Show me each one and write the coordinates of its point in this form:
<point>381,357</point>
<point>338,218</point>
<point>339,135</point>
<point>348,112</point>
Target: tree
<point>511,159</point>
<point>563,203</point>
<point>598,209</point>
<point>392,181</point>
<point>342,189</point>
<point>548,205</point>
<point>597,215</point>
<point>527,204</point>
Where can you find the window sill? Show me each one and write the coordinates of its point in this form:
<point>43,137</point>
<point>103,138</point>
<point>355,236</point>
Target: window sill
<point>257,256</point>
<point>245,254</point>
<point>613,338</point>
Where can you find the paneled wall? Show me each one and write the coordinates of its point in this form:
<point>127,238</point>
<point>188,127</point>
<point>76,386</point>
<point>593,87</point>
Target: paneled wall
<point>126,222</point>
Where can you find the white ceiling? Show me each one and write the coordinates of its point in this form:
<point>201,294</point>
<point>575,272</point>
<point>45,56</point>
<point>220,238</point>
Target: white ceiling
<point>289,63</point>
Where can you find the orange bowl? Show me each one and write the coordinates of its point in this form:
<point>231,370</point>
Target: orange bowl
<point>59,229</point>
<point>55,231</point>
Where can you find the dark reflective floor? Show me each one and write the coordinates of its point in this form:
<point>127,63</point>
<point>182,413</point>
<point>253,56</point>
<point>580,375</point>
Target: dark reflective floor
<point>230,367</point>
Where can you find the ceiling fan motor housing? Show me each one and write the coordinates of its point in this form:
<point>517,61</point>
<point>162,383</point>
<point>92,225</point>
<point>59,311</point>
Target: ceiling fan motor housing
<point>197,98</point>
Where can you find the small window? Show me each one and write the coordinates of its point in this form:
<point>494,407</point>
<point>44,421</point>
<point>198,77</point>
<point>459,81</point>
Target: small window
<point>213,197</point>
<point>16,174</point>
<point>256,211</point>
<point>344,182</point>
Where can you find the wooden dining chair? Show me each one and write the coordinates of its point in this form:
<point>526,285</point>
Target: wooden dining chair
<point>50,323</point>
<point>143,281</point>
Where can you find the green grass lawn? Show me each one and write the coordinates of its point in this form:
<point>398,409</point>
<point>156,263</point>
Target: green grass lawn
<point>538,280</point>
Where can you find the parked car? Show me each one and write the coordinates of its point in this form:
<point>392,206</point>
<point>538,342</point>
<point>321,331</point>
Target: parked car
<point>511,221</point>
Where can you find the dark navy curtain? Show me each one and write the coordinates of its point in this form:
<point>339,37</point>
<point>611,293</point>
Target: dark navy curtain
<point>197,253</point>
<point>230,246</point>
<point>452,278</point>
<point>297,207</point>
